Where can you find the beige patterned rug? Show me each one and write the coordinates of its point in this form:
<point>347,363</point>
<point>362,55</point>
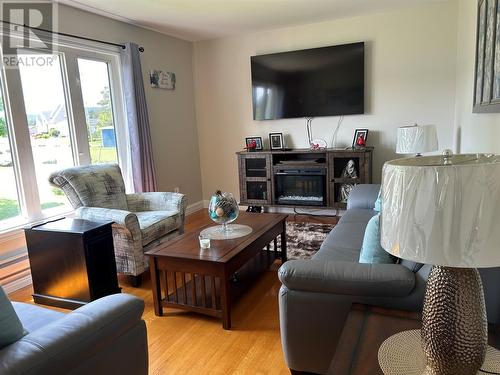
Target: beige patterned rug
<point>305,239</point>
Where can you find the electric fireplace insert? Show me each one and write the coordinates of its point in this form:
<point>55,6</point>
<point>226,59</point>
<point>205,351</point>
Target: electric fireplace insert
<point>305,186</point>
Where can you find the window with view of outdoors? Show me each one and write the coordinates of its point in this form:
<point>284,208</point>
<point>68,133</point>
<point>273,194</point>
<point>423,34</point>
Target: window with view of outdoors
<point>94,80</point>
<point>59,111</point>
<point>48,126</point>
<point>9,200</point>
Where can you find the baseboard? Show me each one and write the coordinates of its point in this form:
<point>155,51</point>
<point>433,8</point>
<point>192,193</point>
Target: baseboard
<point>17,284</point>
<point>195,207</point>
<point>14,270</point>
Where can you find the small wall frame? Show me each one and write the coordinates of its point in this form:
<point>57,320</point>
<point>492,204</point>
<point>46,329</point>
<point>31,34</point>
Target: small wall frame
<point>487,71</point>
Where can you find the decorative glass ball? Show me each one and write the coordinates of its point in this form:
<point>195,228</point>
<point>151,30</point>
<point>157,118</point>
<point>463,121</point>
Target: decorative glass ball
<point>223,208</point>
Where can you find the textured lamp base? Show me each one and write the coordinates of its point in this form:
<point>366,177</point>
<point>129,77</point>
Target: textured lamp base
<point>454,326</point>
<point>402,354</point>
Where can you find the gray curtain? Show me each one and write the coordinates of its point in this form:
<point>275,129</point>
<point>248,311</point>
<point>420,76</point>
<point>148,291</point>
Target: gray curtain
<point>141,151</point>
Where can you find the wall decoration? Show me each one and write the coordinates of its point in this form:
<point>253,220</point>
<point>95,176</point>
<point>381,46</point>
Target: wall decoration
<point>360,137</point>
<point>487,73</point>
<point>253,143</point>
<point>276,141</point>
<point>162,80</point>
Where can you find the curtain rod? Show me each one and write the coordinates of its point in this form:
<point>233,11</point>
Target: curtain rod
<point>141,49</point>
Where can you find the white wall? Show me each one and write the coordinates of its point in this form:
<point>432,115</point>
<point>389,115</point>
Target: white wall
<point>479,132</point>
<point>416,72</point>
<point>410,77</point>
<point>171,113</point>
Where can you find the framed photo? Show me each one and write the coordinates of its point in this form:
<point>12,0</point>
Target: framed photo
<point>253,143</point>
<point>162,80</point>
<point>276,141</point>
<point>360,138</point>
<point>487,70</point>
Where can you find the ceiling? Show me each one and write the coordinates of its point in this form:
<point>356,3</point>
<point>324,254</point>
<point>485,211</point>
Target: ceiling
<point>206,19</point>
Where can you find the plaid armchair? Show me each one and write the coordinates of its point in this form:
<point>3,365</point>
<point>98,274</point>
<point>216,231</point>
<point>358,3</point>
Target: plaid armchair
<point>142,221</point>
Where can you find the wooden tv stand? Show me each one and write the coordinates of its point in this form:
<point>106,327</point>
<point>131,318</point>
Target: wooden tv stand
<point>300,178</point>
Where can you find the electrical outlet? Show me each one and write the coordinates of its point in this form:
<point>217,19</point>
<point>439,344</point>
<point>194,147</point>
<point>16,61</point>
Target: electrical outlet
<point>176,189</point>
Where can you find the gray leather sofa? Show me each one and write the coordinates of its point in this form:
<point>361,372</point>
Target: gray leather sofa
<point>106,336</point>
<point>316,295</point>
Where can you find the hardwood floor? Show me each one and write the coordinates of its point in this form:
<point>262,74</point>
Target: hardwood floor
<point>187,343</point>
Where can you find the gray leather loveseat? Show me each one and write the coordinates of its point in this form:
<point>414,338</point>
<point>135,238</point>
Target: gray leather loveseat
<point>316,294</point>
<point>106,336</point>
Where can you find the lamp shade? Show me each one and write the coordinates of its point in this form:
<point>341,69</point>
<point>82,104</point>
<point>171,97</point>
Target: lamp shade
<point>443,210</point>
<point>416,139</point>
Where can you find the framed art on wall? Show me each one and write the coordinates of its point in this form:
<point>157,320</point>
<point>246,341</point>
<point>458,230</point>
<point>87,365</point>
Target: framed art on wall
<point>487,71</point>
<point>162,80</point>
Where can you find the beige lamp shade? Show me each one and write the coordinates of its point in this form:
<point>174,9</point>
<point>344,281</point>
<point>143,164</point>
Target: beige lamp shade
<point>416,139</point>
<point>443,210</point>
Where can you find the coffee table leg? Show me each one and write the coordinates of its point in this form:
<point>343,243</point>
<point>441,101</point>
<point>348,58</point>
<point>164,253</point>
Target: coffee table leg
<point>283,243</point>
<point>225,301</point>
<point>155,285</point>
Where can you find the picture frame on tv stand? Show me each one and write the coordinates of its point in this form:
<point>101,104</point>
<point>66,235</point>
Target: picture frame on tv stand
<point>253,143</point>
<point>276,141</point>
<point>360,138</point>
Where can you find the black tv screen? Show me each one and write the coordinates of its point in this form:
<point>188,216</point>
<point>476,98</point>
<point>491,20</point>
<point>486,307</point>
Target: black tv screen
<point>326,81</point>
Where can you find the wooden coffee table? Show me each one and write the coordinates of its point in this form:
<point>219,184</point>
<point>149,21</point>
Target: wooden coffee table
<point>207,281</point>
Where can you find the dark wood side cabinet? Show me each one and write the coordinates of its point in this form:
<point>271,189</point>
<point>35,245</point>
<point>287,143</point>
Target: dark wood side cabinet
<point>72,262</point>
<point>300,178</point>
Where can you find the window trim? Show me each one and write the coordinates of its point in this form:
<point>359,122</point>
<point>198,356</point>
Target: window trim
<point>118,106</point>
<point>69,50</point>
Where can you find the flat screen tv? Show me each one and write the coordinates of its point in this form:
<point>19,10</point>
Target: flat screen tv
<point>326,81</point>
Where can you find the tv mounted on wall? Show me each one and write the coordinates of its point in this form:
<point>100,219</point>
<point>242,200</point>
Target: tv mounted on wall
<point>326,81</point>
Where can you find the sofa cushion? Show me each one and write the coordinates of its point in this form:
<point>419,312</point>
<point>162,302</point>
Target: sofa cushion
<point>156,224</point>
<point>411,265</point>
<point>346,236</point>
<point>357,215</point>
<point>11,328</point>
<point>363,196</point>
<point>337,254</point>
<point>34,317</point>
<point>344,241</point>
<point>378,203</point>
<point>372,251</point>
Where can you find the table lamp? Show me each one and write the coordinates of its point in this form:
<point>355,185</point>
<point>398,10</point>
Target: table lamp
<point>445,211</point>
<point>416,139</point>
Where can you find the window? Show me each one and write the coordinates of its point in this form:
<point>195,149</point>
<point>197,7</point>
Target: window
<point>48,127</point>
<point>94,80</point>
<point>9,199</point>
<point>55,115</point>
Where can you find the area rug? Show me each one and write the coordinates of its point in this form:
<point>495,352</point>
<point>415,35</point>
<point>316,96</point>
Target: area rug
<point>303,240</point>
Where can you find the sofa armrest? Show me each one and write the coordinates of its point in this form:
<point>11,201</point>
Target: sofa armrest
<point>363,196</point>
<point>157,201</point>
<point>347,278</point>
<point>62,345</point>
